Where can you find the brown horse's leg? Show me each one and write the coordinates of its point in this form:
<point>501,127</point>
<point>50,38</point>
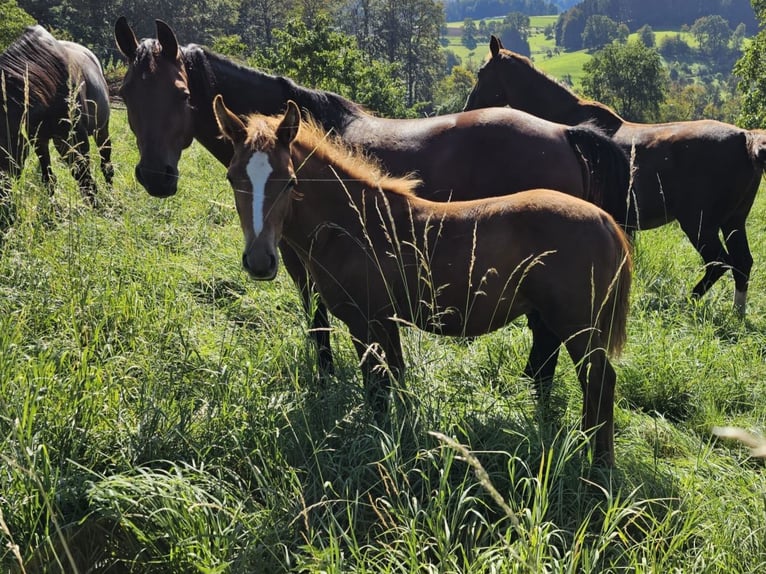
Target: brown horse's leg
<point>543,357</point>
<point>44,156</point>
<point>76,154</point>
<point>597,379</point>
<point>741,260</point>
<point>379,348</point>
<point>320,322</point>
<point>104,143</point>
<point>707,243</point>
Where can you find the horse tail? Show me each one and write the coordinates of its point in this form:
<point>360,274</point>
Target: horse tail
<point>605,167</point>
<point>613,316</point>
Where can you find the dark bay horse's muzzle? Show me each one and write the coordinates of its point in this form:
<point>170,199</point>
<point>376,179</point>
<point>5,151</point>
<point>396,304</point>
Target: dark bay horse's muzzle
<point>158,182</point>
<point>262,267</point>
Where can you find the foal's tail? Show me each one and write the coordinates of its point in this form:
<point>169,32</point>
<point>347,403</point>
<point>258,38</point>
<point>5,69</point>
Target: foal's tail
<point>613,316</point>
<point>605,167</point>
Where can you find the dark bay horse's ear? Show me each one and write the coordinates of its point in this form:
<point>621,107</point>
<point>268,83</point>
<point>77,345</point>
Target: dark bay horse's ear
<point>168,40</point>
<point>125,38</point>
<point>495,45</point>
<point>288,127</point>
<point>230,125</point>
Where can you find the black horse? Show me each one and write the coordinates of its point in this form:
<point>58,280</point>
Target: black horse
<point>52,90</point>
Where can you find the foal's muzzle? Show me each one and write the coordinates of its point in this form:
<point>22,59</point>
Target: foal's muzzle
<point>158,182</point>
<point>262,267</point>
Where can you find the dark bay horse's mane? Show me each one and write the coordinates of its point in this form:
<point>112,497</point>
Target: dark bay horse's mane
<point>355,164</point>
<point>207,70</point>
<point>599,113</point>
<point>35,65</point>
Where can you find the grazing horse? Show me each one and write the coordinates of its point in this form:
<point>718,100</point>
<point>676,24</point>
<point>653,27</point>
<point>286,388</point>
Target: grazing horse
<point>460,268</point>
<point>86,73</point>
<point>56,91</point>
<point>704,173</point>
<point>168,91</point>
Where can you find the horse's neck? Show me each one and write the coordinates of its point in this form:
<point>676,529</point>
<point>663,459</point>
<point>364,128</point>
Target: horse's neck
<point>556,103</point>
<point>245,91</point>
<point>331,196</point>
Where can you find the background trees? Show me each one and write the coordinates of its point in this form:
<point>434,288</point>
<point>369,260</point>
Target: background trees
<point>751,68</point>
<point>13,20</point>
<point>628,77</point>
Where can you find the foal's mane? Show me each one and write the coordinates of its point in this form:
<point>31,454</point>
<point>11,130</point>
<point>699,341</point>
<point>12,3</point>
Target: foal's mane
<point>35,59</point>
<point>350,162</point>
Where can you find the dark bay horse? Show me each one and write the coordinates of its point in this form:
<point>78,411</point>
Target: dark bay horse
<point>168,91</point>
<point>704,173</point>
<point>53,90</point>
<point>459,268</point>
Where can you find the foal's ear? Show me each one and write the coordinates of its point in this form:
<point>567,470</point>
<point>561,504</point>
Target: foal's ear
<point>168,40</point>
<point>288,127</point>
<point>230,125</point>
<point>495,45</point>
<point>125,38</point>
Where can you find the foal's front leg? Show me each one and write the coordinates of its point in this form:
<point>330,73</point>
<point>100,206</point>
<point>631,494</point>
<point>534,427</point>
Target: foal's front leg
<point>379,349</point>
<point>320,321</point>
<point>543,357</point>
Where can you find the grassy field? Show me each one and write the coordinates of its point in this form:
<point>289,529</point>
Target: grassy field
<point>559,65</point>
<point>160,414</point>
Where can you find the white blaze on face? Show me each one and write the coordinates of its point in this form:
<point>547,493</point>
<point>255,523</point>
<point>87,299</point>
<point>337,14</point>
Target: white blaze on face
<point>258,170</point>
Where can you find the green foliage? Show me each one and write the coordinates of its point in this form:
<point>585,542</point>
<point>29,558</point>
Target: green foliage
<point>630,78</point>
<point>13,20</point>
<point>469,34</point>
<point>317,56</point>
<point>712,34</point>
<point>599,31</point>
<point>453,90</point>
<point>751,69</point>
<point>646,35</point>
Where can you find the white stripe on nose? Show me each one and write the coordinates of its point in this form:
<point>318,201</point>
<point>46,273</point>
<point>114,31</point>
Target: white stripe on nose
<point>258,170</point>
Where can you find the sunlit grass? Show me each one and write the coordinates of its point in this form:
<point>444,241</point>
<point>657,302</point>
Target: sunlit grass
<point>160,413</point>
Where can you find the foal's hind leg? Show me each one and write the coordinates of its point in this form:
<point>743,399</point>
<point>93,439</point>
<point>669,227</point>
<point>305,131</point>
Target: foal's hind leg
<point>597,379</point>
<point>320,321</point>
<point>741,260</point>
<point>543,356</point>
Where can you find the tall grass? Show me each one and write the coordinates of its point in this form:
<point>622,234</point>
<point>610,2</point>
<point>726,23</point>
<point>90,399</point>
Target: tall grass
<point>160,413</point>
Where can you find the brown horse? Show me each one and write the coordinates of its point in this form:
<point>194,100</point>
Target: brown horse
<point>451,268</point>
<point>168,91</point>
<point>56,91</point>
<point>705,173</point>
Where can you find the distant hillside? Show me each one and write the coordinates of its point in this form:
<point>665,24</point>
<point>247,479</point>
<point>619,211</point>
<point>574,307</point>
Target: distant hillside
<point>659,14</point>
<point>459,10</point>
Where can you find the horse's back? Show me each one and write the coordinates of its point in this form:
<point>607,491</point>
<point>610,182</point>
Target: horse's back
<point>474,154</point>
<point>85,69</point>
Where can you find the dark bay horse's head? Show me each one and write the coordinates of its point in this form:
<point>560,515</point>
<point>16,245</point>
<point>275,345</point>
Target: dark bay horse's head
<point>156,94</point>
<point>263,178</point>
<point>493,83</point>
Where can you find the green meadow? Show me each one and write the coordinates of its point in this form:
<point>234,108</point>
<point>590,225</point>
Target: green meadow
<point>161,413</point>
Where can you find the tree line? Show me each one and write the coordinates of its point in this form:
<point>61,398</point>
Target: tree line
<point>384,53</point>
